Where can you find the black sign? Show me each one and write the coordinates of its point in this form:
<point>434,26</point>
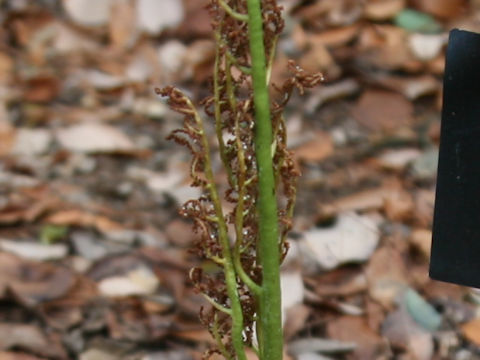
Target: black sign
<point>456,225</point>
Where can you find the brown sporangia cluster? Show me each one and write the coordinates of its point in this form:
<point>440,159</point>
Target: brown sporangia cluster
<point>231,108</point>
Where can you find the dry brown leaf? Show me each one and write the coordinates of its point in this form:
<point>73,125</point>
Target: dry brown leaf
<point>421,239</point>
<point>398,204</point>
<point>471,330</point>
<point>41,89</point>
<point>386,47</point>
<point>296,317</point>
<point>122,25</point>
<point>383,111</point>
<point>315,150</point>
<point>442,8</point>
<point>339,282</point>
<point>318,58</point>
<point>7,355</point>
<point>6,66</point>
<point>196,21</point>
<point>383,9</point>
<point>81,218</point>
<point>354,329</point>
<point>403,332</point>
<point>31,338</point>
<point>424,202</point>
<point>33,282</point>
<point>410,87</point>
<point>335,37</point>
<point>387,275</point>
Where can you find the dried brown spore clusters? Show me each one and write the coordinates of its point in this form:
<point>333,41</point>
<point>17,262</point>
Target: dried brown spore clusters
<point>231,108</point>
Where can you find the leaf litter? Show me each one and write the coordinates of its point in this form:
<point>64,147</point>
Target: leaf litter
<point>83,149</point>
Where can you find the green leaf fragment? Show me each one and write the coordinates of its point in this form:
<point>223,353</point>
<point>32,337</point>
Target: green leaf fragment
<point>416,21</point>
<point>421,311</point>
<point>50,234</point>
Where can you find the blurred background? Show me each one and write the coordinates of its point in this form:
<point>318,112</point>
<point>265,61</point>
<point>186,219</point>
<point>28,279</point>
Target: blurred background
<point>93,255</point>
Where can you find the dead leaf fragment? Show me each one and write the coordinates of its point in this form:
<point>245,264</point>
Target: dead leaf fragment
<point>387,276</point>
<point>88,12</point>
<point>83,219</point>
<point>94,138</point>
<point>314,150</point>
<point>353,238</point>
<point>154,16</point>
<point>383,111</point>
<point>122,25</point>
<point>354,329</point>
<point>421,239</point>
<point>34,250</point>
<point>383,9</point>
<point>8,355</point>
<point>403,332</point>
<point>441,8</point>
<point>33,282</point>
<point>140,281</point>
<point>471,330</point>
<point>31,338</point>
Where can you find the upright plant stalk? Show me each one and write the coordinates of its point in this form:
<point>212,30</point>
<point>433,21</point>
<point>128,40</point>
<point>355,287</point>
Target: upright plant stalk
<point>271,334</point>
<point>251,134</point>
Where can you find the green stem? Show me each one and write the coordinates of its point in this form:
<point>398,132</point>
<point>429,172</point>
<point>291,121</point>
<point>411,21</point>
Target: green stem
<point>271,337</point>
<point>228,264</point>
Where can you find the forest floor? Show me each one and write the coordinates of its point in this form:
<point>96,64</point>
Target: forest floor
<point>94,257</point>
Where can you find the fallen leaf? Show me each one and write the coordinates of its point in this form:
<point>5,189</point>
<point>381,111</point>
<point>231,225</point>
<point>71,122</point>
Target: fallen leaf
<point>402,331</point>
<point>315,344</point>
<point>398,205</point>
<point>31,338</point>
<point>76,217</point>
<point>314,150</point>
<point>335,37</point>
<point>97,354</point>
<point>41,89</point>
<point>441,8</point>
<point>104,81</point>
<point>295,319</point>
<point>7,355</point>
<point>122,29</point>
<point>416,21</point>
<point>339,282</point>
<point>383,111</point>
<point>385,47</point>
<point>154,16</point>
<point>31,141</point>
<point>471,330</point>
<point>354,329</point>
<point>398,159</point>
<point>88,12</point>
<point>383,9</point>
<point>326,93</point>
<point>412,87</point>
<point>426,47</point>
<point>353,238</point>
<point>140,281</point>
<point>425,166</point>
<point>421,239</point>
<point>94,138</point>
<point>34,250</point>
<point>387,276</point>
<point>292,290</point>
<point>421,311</point>
<point>33,282</point>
